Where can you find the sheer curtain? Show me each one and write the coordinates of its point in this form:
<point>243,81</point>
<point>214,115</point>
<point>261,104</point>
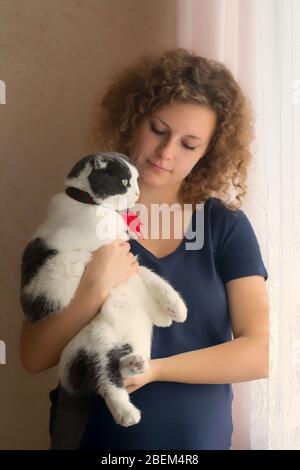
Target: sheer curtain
<point>260,42</point>
<point>276,418</point>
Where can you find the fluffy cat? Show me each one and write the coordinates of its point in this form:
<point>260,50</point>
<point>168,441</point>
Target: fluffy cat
<point>117,342</point>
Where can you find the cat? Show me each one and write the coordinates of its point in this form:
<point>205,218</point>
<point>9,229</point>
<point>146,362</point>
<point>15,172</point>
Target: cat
<point>117,341</point>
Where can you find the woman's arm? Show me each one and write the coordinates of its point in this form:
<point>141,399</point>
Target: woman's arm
<point>244,358</point>
<point>42,343</point>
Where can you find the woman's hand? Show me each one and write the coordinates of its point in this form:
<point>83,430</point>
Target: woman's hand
<point>110,265</point>
<point>134,382</point>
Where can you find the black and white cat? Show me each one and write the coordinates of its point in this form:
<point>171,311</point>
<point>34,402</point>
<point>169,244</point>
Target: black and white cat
<point>117,342</point>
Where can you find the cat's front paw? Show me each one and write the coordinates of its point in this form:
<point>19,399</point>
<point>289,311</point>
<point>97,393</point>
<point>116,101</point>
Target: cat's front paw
<point>172,303</point>
<point>177,309</point>
<point>132,365</point>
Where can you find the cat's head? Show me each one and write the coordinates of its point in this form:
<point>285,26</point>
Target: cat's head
<point>109,177</point>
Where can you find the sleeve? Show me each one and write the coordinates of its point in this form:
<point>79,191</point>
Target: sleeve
<point>238,252</point>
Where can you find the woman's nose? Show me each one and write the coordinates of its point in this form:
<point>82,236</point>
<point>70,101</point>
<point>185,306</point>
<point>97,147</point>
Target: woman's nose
<point>166,149</point>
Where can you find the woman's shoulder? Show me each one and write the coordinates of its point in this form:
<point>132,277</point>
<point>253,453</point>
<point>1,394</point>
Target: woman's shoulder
<point>218,208</point>
<point>234,240</point>
<point>219,216</point>
<point>225,223</point>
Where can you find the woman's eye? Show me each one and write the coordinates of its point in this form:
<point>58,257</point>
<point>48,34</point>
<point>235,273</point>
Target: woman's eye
<point>156,130</point>
<point>125,182</point>
<point>188,147</point>
<point>163,132</point>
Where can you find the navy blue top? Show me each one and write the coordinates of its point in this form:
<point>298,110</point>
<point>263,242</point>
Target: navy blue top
<point>179,416</point>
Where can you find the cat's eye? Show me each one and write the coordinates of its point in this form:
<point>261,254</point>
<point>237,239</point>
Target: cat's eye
<point>125,182</point>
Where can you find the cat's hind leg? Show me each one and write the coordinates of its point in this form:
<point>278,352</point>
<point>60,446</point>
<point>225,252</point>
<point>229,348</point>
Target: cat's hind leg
<point>133,364</point>
<point>110,387</point>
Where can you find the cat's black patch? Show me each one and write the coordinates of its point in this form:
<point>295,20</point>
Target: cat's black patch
<point>84,371</point>
<point>113,366</point>
<point>79,166</point>
<point>109,156</point>
<point>35,255</point>
<point>36,308</point>
<point>107,181</point>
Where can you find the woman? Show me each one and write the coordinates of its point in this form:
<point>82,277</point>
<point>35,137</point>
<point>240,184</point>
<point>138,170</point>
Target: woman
<point>186,124</point>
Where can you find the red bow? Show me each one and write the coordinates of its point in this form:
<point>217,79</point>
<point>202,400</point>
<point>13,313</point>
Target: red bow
<point>133,222</point>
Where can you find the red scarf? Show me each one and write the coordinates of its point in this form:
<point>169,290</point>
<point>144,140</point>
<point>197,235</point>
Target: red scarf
<point>133,222</point>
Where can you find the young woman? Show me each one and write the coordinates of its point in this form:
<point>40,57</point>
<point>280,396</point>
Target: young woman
<point>186,124</point>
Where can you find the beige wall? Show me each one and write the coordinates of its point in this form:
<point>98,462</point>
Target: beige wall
<point>56,57</point>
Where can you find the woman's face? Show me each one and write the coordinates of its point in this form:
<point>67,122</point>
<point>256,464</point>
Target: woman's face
<point>170,142</point>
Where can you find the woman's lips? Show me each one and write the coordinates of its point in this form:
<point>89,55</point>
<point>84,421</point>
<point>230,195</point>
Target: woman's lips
<point>156,167</point>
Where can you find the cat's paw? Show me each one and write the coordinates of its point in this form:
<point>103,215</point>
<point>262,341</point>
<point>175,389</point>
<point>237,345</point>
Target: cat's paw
<point>176,309</point>
<point>132,365</point>
<point>172,303</point>
<point>126,415</point>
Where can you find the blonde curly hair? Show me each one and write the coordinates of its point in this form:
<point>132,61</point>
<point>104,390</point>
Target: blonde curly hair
<point>179,75</point>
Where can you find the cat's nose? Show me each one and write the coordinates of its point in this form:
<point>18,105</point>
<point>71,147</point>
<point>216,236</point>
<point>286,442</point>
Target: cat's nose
<point>137,193</point>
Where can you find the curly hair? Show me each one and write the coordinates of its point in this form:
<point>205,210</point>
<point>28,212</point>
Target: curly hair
<point>179,75</point>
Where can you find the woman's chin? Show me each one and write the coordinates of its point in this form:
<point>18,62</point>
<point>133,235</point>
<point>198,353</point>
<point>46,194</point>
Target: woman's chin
<point>152,180</point>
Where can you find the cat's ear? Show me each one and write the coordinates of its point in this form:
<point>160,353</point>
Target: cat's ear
<point>78,167</point>
<point>99,163</point>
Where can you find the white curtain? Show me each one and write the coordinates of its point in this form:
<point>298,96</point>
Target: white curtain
<point>260,42</point>
<point>276,421</point>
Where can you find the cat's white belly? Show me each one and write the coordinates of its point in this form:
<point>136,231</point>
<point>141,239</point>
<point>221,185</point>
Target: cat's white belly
<point>124,316</point>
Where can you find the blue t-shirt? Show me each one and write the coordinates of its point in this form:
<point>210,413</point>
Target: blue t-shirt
<point>179,416</point>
